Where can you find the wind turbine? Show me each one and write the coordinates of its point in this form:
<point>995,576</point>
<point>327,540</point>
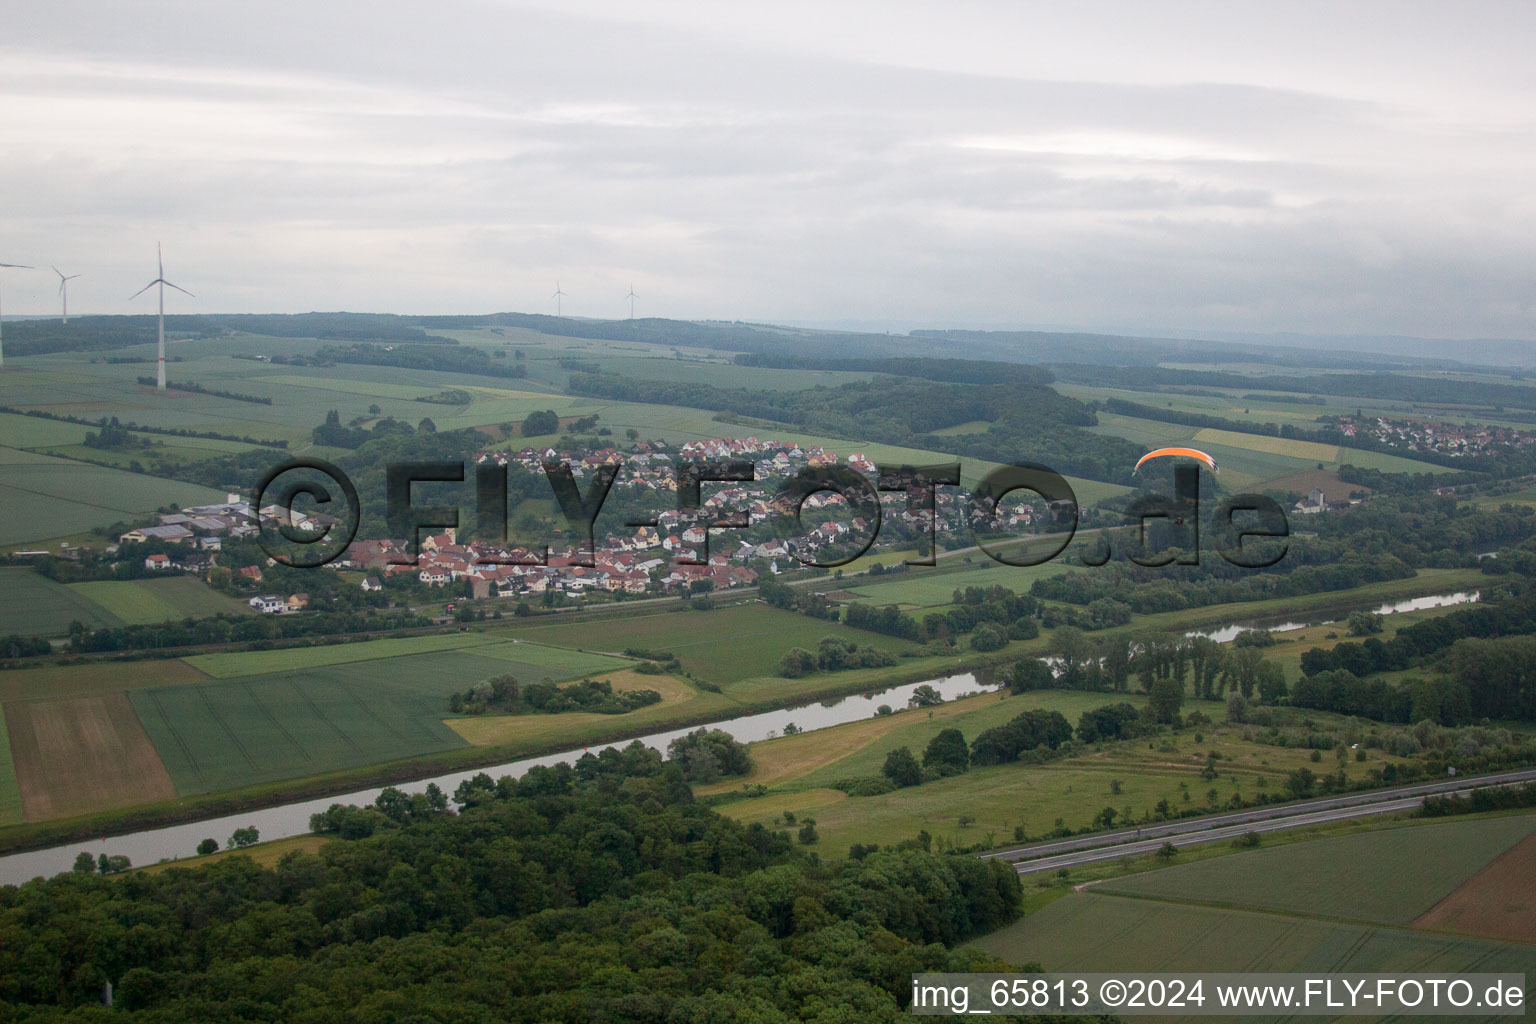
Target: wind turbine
<point>163,283</point>
<point>631,297</point>
<point>557,295</point>
<point>11,266</point>
<point>64,291</point>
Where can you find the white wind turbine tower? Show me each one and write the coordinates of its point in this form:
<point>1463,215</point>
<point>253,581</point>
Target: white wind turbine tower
<point>557,296</point>
<point>631,297</point>
<point>10,266</point>
<point>64,292</point>
<point>163,283</point>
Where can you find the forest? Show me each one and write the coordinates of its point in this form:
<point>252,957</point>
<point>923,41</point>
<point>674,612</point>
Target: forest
<point>601,892</point>
<point>1029,421</point>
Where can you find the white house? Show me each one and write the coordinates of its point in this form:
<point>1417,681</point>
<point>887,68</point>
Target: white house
<point>269,604</point>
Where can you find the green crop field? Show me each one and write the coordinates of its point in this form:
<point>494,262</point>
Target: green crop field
<point>532,660</point>
<point>536,661</point>
<point>251,663</point>
<point>44,497</point>
<point>1151,433</point>
<point>720,372</point>
<point>10,792</point>
<point>236,732</point>
<point>34,605</point>
<point>1310,451</point>
<point>35,432</point>
<point>1084,931</point>
<point>142,602</point>
<point>1386,877</point>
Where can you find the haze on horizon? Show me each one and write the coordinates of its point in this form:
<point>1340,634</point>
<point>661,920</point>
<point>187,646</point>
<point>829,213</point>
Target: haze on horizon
<point>1225,168</point>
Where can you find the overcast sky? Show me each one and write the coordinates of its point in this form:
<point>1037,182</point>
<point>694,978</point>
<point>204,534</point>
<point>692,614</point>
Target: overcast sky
<point>1331,168</point>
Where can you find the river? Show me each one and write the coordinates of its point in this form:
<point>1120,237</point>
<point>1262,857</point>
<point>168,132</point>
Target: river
<point>1226,634</point>
<point>179,841</point>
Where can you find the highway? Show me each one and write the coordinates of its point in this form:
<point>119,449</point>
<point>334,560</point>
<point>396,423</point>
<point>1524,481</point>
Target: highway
<point>1050,856</point>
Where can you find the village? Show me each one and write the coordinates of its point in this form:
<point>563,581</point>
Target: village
<point>1452,439</point>
<point>680,554</point>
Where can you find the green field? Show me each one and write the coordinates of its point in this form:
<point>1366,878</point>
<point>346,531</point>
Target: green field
<point>250,663</point>
<point>537,661</point>
<point>922,588</point>
<point>35,432</point>
<point>34,605</point>
<point>45,497</point>
<point>144,602</point>
<point>235,732</point>
<point>1344,874</point>
<point>534,660</point>
<point>1329,905</point>
<point>1090,932</point>
<point>10,792</point>
<point>724,646</point>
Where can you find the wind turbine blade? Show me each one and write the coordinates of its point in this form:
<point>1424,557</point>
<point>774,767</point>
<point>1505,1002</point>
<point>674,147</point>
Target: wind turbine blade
<point>160,259</point>
<point>178,288</point>
<point>18,266</point>
<point>146,288</point>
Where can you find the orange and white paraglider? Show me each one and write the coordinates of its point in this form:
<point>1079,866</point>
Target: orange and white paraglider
<point>1193,453</point>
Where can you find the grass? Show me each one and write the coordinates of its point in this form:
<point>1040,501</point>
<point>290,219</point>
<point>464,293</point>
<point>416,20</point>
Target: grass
<point>263,854</point>
<point>10,791</point>
<point>144,602</point>
<point>34,605</point>
<point>494,730</point>
<point>1345,876</point>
